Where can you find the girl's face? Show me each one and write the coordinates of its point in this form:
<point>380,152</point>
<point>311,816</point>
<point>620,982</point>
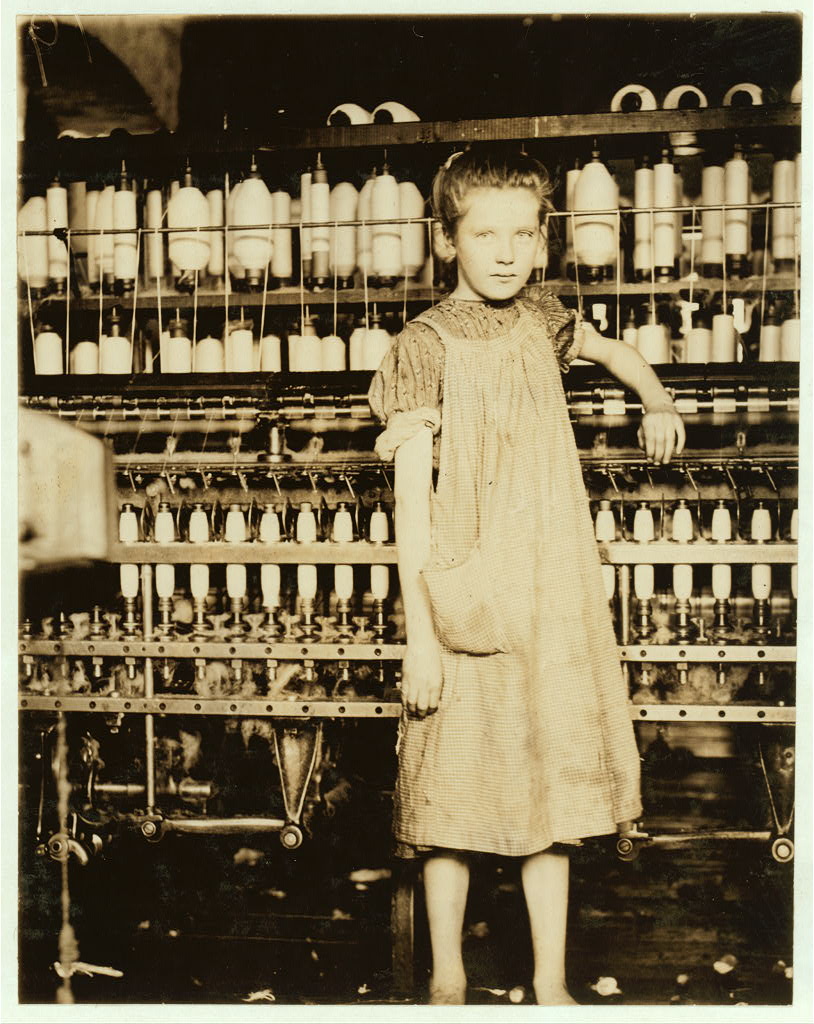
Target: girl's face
<point>496,241</point>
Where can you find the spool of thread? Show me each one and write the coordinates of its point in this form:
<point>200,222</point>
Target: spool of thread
<point>304,353</point>
<point>375,346</point>
<point>605,525</point>
<point>253,244</point>
<point>796,95</point>
<point>198,525</point>
<point>128,525</point>
<point>48,357</point>
<point>770,337</point>
<point>632,98</point>
<point>349,113</point>
<point>176,349</point>
<point>609,580</point>
<point>664,229</point>
<point>85,357</point>
<point>234,531</point>
<point>334,355</point>
<point>721,528</point>
<point>306,524</point>
<point>32,250</point>
<point>630,331</point>
<point>644,582</point>
<point>78,214</point>
<point>188,209</point>
<point>164,526</point>
<point>239,348</point>
<point>723,339</point>
<point>379,527</point>
<point>391,112</point>
<point>682,529</point>
<point>761,524</point>
<point>321,232</point>
<point>736,220</point>
<point>270,585</point>
<point>413,236</point>
<point>721,582</point>
<point>129,580</point>
<point>682,582</point>
<point>91,202</point>
<point>153,241</point>
<point>307,582</point>
<point>209,355</point>
<point>125,252</point>
<point>364,233</point>
<point>56,205</point>
<point>199,581</point>
<point>790,341</point>
<point>306,237</point>
<point>217,264</point>
<point>699,345</point>
<point>105,242</point>
<point>644,530</point>
<point>643,199</point>
<point>114,354</point>
<point>270,361</point>
<point>761,582</point>
<point>356,348</point>
<point>744,94</point>
<point>269,530</point>
<point>684,97</point>
<point>783,191</point>
<point>595,233</point>
<point>712,221</point>
<point>653,343</point>
<point>236,580</point>
<point>282,267</point>
<point>344,201</point>
<point>386,242</point>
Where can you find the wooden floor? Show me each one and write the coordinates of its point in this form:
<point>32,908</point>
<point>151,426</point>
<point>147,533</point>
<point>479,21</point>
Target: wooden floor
<point>203,920</point>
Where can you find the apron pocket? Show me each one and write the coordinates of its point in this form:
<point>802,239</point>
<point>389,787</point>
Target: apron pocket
<point>463,607</point>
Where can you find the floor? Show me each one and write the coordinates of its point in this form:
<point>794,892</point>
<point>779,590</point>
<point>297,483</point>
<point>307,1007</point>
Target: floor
<point>240,920</point>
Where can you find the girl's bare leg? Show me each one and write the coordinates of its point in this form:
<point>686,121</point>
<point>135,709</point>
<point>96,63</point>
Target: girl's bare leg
<point>545,884</point>
<point>446,883</point>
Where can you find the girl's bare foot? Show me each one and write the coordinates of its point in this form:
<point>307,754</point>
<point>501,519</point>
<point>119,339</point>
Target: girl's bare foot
<point>548,995</point>
<point>448,990</point>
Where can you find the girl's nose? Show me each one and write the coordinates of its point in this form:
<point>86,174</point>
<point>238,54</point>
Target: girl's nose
<point>505,252</point>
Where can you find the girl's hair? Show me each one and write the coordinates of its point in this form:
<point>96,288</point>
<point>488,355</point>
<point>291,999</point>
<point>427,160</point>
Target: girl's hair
<point>486,168</point>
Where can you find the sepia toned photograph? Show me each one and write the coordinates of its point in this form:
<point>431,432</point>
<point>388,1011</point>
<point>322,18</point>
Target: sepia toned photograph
<point>412,463</point>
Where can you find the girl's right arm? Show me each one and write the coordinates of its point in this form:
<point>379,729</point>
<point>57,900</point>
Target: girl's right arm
<point>421,668</point>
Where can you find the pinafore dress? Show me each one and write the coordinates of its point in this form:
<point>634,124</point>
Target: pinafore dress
<point>532,742</point>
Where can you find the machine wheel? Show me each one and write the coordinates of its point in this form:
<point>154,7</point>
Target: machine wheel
<point>626,849</point>
<point>291,837</point>
<point>783,850</point>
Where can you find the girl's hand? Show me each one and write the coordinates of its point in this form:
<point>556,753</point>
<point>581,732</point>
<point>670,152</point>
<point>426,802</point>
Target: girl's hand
<point>661,434</point>
<point>421,677</point>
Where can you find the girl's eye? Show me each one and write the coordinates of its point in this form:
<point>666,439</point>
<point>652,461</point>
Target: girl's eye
<point>526,234</point>
<point>484,234</point>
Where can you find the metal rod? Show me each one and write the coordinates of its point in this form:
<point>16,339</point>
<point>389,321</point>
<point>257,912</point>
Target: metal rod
<point>149,687</point>
<point>222,826</point>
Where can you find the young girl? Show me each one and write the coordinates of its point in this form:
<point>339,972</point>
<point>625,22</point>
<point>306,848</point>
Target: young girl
<point>516,738</point>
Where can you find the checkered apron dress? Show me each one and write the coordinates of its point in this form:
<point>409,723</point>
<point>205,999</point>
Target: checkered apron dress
<point>532,743</point>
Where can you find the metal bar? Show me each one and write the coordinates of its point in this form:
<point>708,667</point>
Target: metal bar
<point>711,713</point>
<point>301,707</point>
<point>297,707</point>
<point>218,650</point>
<point>221,826</point>
<point>149,686</point>
<point>623,579</point>
<point>227,650</point>
<point>670,552</point>
<point>771,654</point>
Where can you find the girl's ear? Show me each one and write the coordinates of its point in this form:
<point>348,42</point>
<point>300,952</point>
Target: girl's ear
<point>442,244</point>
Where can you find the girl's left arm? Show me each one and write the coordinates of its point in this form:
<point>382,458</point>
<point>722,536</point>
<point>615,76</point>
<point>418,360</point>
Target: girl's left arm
<point>661,433</point>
